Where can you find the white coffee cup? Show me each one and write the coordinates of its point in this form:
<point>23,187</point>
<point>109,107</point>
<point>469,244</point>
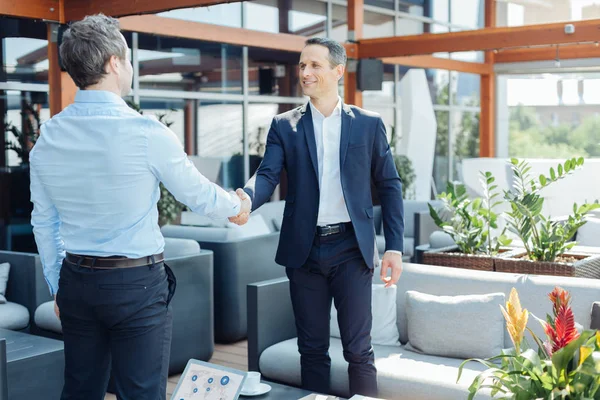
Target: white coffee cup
<point>252,383</point>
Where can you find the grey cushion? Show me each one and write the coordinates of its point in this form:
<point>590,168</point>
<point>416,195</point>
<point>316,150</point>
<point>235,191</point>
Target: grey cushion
<point>180,248</point>
<point>272,212</point>
<point>401,374</point>
<point>595,316</point>
<point>46,319</point>
<point>411,207</point>
<point>439,239</point>
<point>444,281</point>
<point>13,316</point>
<point>4,271</point>
<point>468,326</point>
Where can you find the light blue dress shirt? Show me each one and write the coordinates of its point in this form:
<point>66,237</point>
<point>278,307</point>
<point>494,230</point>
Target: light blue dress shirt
<point>95,172</point>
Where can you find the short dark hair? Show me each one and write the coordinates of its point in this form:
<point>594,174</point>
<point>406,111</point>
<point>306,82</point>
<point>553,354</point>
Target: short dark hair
<point>337,52</point>
<point>87,46</point>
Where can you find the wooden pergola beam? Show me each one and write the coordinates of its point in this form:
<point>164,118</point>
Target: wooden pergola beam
<point>566,52</point>
<point>77,9</point>
<point>38,9</point>
<point>482,39</point>
<point>440,63</point>
<point>155,25</point>
<point>355,15</point>
<point>487,94</point>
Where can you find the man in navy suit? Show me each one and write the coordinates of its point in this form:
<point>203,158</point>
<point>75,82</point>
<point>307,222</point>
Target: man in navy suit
<point>331,152</point>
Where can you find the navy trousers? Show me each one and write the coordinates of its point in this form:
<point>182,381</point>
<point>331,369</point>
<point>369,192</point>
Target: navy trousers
<point>117,319</point>
<point>336,271</point>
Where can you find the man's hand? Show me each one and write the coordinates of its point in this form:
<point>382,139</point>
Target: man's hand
<point>245,209</point>
<point>56,310</point>
<point>391,261</point>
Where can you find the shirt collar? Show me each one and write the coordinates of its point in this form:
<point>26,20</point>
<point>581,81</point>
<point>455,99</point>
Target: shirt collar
<point>336,111</point>
<point>98,96</point>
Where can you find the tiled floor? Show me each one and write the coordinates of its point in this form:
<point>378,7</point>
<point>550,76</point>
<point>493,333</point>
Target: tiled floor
<point>232,355</point>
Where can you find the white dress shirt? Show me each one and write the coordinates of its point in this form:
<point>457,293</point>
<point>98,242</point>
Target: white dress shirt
<point>328,132</point>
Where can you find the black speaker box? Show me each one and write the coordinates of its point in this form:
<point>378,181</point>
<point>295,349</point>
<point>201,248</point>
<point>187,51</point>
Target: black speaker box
<point>266,80</point>
<point>369,74</point>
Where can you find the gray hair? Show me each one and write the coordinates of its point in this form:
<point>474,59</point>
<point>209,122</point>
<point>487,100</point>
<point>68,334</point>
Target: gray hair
<point>337,52</point>
<point>88,45</point>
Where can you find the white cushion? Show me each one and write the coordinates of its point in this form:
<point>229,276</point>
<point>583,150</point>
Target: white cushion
<point>401,374</point>
<point>589,234</point>
<point>195,219</point>
<point>470,326</point>
<point>13,316</point>
<point>384,331</point>
<point>46,318</point>
<point>4,270</point>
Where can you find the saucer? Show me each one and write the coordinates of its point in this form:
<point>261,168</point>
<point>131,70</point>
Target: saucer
<point>262,389</point>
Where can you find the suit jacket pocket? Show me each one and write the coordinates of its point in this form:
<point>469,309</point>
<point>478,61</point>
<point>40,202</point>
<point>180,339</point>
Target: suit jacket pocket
<point>369,212</point>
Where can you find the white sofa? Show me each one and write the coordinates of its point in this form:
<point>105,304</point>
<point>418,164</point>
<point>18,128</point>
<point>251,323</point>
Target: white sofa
<point>404,374</point>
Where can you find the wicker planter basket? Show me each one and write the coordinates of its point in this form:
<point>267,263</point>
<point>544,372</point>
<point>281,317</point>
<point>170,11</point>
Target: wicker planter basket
<point>586,266</point>
<point>452,257</point>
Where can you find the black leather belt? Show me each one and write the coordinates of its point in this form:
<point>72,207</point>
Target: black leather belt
<point>334,229</point>
<point>112,262</point>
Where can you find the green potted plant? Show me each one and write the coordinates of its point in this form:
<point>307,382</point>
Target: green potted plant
<point>547,242</point>
<point>469,222</point>
<point>169,209</point>
<point>565,366</point>
<point>24,139</point>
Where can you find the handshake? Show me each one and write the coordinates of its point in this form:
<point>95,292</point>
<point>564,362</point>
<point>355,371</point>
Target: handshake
<point>245,209</point>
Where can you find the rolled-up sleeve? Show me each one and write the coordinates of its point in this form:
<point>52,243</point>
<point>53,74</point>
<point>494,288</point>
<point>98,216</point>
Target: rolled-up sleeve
<point>171,166</point>
<point>46,229</point>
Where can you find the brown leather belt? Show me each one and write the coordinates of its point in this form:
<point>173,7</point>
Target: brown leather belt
<point>112,262</point>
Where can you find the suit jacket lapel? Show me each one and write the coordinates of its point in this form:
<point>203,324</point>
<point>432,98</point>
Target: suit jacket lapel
<point>309,133</point>
<point>347,120</point>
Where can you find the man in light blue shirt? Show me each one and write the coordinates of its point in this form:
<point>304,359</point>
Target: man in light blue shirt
<point>95,174</point>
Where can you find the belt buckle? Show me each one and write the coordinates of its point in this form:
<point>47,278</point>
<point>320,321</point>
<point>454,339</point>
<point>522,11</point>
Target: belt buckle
<point>328,230</point>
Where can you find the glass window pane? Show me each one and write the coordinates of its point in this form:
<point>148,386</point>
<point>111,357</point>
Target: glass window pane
<point>439,86</point>
<point>23,51</point>
<point>229,14</point>
<point>308,18</point>
<point>465,131</point>
<point>468,14</point>
<point>15,107</point>
<point>190,65</point>
<point>466,89</point>
<point>263,15</point>
<point>377,25</point>
<point>518,13</point>
<point>553,115</point>
<point>219,143</point>
<point>387,4</point>
<point>441,174</point>
<point>273,72</point>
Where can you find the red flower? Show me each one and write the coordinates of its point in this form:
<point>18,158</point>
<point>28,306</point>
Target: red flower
<point>562,330</point>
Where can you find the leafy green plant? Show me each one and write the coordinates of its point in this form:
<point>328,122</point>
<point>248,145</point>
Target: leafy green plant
<point>566,366</point>
<point>470,222</point>
<point>24,139</point>
<point>544,239</point>
<point>169,209</point>
<point>460,218</point>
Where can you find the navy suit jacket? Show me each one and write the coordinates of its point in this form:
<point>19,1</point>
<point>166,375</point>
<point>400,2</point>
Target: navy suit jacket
<point>365,156</point>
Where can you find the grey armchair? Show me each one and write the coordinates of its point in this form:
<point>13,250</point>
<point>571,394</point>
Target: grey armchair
<point>26,289</point>
<point>238,261</point>
<point>418,226</point>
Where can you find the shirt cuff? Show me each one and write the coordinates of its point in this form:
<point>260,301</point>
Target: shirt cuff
<point>394,251</point>
<point>237,203</point>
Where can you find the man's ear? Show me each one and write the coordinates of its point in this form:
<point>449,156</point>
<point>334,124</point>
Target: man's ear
<point>340,71</point>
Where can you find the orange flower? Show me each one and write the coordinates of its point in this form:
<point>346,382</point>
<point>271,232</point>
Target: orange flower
<point>516,319</point>
<point>558,297</point>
